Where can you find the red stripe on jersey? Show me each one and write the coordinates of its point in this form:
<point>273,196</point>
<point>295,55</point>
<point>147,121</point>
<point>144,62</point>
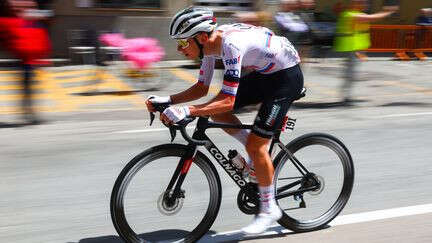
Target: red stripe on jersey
<point>201,72</point>
<point>231,84</point>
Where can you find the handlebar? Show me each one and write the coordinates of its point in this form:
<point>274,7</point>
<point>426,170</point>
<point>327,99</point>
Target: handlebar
<point>181,125</point>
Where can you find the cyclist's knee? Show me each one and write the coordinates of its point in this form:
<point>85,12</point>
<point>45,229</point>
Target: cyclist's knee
<point>256,144</point>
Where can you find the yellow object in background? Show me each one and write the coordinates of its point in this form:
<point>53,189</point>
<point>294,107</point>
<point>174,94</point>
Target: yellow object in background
<point>350,35</point>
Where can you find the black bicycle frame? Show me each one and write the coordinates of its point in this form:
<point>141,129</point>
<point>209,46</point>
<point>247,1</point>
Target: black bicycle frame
<point>199,134</point>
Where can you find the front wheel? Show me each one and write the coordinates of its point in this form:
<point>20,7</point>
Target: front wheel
<point>142,209</point>
<point>314,185</point>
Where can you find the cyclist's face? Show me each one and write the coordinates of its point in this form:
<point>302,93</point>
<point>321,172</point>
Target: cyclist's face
<point>188,48</point>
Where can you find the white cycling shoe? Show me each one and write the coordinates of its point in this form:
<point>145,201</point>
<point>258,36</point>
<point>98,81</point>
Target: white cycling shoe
<point>262,222</point>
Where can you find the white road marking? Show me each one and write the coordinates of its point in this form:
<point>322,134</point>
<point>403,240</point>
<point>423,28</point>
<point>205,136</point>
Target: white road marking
<point>382,214</point>
<point>341,220</point>
<point>192,126</point>
<point>144,130</point>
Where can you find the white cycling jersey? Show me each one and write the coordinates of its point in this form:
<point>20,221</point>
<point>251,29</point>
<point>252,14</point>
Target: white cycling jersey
<point>248,47</point>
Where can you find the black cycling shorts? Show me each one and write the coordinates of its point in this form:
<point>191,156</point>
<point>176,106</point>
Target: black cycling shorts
<point>276,92</point>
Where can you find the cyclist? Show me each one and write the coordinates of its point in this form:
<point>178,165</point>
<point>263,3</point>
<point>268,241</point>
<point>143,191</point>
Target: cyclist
<point>260,67</point>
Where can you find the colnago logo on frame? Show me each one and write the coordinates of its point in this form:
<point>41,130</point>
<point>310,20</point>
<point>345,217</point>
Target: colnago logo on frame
<point>227,166</point>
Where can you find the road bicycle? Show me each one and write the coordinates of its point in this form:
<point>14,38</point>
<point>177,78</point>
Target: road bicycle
<point>172,192</point>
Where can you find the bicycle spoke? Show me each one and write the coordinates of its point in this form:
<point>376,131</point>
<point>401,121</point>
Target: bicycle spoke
<point>143,208</point>
<point>322,191</point>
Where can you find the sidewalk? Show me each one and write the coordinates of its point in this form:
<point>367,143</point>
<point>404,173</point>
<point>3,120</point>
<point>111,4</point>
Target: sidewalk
<point>91,88</point>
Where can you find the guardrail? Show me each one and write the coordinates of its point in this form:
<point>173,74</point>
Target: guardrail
<point>402,40</point>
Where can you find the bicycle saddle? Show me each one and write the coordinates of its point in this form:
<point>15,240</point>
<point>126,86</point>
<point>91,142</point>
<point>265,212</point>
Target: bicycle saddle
<point>302,94</point>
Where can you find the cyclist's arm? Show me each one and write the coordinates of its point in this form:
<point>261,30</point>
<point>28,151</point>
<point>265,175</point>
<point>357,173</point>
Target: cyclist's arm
<point>372,17</point>
<point>220,104</point>
<point>224,101</point>
<point>195,92</point>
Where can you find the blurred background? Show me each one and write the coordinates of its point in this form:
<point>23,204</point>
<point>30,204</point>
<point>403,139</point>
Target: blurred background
<point>150,18</point>
<point>74,76</point>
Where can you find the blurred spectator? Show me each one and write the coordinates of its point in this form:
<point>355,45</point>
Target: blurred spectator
<point>425,17</point>
<point>338,8</point>
<point>352,36</point>
<point>291,24</point>
<point>23,35</point>
<point>306,28</point>
<point>259,18</point>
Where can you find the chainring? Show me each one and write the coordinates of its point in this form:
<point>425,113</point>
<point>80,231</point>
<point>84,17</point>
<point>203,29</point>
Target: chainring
<point>246,204</point>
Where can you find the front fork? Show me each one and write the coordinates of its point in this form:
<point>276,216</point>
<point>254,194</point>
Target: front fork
<point>180,175</point>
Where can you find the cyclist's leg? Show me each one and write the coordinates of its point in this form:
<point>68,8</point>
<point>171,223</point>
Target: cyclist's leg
<point>227,117</point>
<point>246,94</point>
<point>286,86</point>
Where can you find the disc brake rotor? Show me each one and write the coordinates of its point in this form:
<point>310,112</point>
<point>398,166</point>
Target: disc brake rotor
<point>166,208</point>
<point>321,187</point>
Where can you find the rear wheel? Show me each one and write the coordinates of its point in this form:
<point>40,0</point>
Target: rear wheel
<point>319,196</point>
<point>141,208</point>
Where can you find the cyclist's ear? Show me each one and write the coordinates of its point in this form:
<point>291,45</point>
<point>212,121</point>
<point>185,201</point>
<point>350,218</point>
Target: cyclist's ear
<point>203,37</point>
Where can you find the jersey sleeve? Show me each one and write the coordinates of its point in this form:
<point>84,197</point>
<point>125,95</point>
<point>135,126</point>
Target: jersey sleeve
<point>232,58</point>
<point>206,71</point>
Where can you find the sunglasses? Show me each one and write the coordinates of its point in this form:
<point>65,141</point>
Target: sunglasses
<point>183,43</point>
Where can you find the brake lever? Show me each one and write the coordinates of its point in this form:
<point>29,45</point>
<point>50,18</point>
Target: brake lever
<point>173,133</point>
<point>160,108</point>
<point>152,117</point>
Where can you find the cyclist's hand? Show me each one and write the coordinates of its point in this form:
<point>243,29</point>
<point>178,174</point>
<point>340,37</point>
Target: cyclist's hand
<point>154,99</point>
<point>174,114</point>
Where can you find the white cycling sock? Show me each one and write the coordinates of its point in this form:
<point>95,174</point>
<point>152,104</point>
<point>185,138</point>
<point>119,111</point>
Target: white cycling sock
<point>267,199</point>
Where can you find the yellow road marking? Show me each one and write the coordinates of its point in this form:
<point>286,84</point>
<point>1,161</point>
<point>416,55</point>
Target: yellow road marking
<point>12,97</point>
<point>186,76</point>
<point>119,85</point>
<point>73,72</point>
<point>10,78</point>
<point>63,101</point>
<point>19,87</point>
<point>9,72</point>
<point>78,79</point>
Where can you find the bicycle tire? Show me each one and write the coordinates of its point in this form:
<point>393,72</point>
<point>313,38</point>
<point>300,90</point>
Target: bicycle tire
<point>343,154</point>
<point>201,162</point>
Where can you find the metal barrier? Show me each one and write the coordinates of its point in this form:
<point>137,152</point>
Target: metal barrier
<point>401,39</point>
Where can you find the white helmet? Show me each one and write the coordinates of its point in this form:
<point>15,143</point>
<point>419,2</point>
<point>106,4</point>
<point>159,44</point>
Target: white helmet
<point>190,21</point>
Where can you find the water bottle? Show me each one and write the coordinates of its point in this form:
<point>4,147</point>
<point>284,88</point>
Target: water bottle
<point>240,163</point>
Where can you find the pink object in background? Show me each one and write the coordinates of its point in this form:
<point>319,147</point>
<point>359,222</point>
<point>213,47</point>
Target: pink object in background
<point>141,52</point>
<point>115,39</point>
